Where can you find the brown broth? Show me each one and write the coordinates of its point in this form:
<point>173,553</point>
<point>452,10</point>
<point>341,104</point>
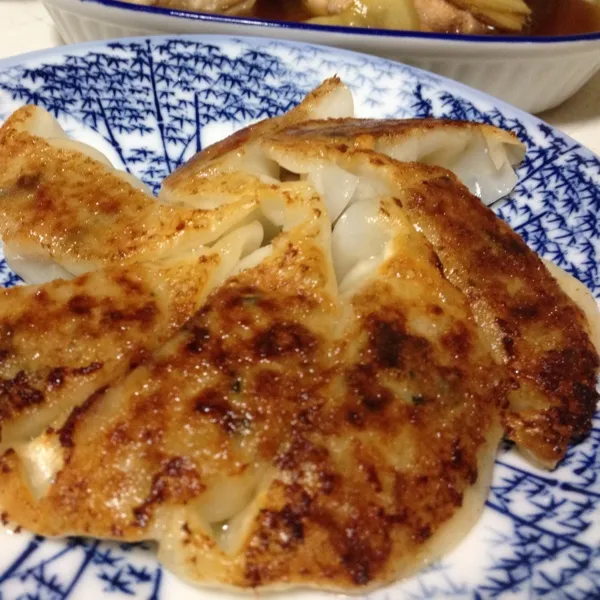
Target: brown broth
<point>550,17</point>
<point>565,17</point>
<point>280,10</point>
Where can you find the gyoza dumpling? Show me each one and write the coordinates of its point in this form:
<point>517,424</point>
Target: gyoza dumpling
<point>532,326</point>
<point>61,341</point>
<point>480,155</point>
<point>390,466</point>
<point>202,391</point>
<point>65,211</point>
<point>330,417</point>
<point>289,435</point>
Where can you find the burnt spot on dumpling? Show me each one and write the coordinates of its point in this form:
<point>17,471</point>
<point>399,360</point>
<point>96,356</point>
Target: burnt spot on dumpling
<point>215,406</point>
<point>82,304</point>
<point>177,481</point>
<point>284,338</point>
<point>17,394</point>
<point>391,343</point>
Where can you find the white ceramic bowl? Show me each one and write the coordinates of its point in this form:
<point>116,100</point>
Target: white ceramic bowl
<point>534,74</point>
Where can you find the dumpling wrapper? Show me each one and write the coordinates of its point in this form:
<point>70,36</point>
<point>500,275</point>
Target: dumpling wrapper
<point>62,341</point>
<point>65,211</point>
<point>483,157</point>
<point>532,327</point>
<point>223,171</point>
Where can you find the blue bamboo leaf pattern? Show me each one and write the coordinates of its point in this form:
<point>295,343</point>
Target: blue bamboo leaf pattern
<point>155,102</point>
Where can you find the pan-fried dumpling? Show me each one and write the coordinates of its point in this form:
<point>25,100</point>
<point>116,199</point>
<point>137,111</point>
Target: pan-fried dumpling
<point>61,341</point>
<point>356,500</point>
<point>532,326</point>
<point>288,435</point>
<point>65,211</point>
<point>582,297</point>
<point>480,155</point>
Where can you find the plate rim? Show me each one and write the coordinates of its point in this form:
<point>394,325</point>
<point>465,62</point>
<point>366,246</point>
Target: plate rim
<point>450,85</point>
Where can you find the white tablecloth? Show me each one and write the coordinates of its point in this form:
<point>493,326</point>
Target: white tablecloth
<point>25,25</point>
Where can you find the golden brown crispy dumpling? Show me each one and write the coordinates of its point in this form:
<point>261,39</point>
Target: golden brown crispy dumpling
<point>388,462</point>
<point>62,341</point>
<point>330,417</point>
<point>185,376</point>
<point>531,325</point>
<point>342,438</point>
<point>65,211</point>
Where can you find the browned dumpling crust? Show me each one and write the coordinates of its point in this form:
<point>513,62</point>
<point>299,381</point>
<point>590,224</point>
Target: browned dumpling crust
<point>343,440</point>
<point>61,341</point>
<point>532,326</point>
<point>61,205</point>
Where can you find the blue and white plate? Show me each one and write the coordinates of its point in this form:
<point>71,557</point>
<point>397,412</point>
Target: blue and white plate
<point>150,104</point>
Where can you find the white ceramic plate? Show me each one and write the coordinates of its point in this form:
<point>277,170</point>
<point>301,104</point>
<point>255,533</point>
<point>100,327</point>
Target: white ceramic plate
<point>532,73</point>
<point>149,104</point>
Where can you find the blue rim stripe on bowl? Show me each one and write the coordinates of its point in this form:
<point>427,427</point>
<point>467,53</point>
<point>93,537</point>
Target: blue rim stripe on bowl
<point>488,39</point>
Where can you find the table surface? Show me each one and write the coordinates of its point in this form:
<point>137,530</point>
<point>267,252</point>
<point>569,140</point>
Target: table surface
<point>25,26</point>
